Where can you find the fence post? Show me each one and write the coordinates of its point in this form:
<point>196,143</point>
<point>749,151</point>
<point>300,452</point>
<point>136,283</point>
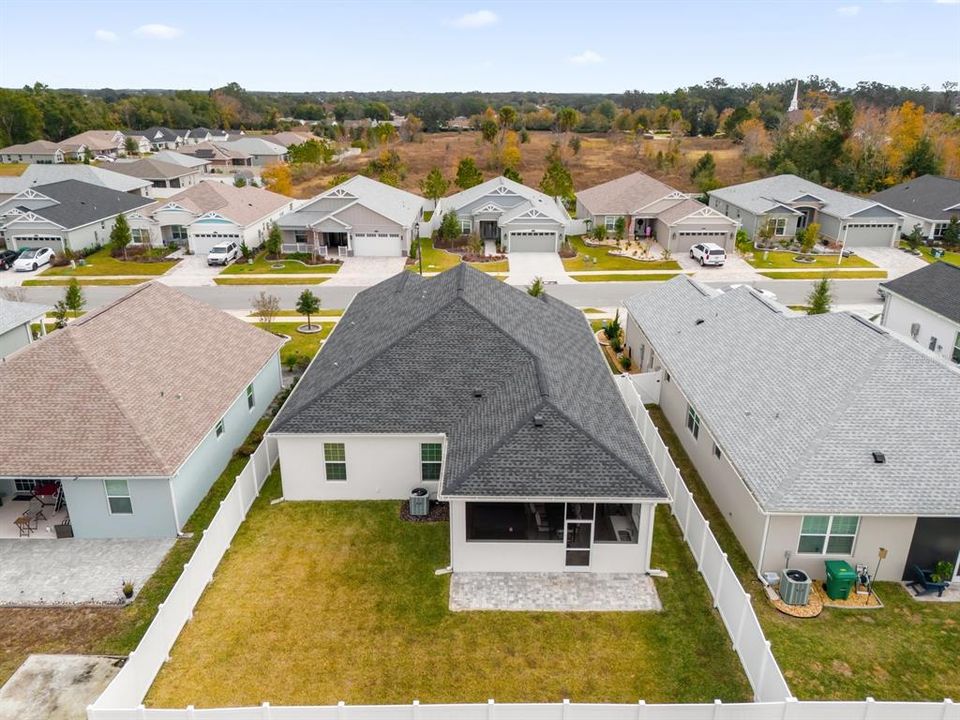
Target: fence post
<point>868,707</point>
<point>743,621</point>
<point>686,517</point>
<point>565,709</point>
<point>947,707</point>
<point>341,712</point>
<point>703,546</point>
<point>490,713</point>
<point>141,711</point>
<point>763,671</point>
<point>415,710</point>
<point>716,595</point>
<point>716,708</point>
<point>243,504</point>
<point>265,711</point>
<point>641,709</point>
<point>190,712</point>
<point>788,705</point>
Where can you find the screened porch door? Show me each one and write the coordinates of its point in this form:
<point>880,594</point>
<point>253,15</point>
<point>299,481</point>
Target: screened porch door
<point>579,536</point>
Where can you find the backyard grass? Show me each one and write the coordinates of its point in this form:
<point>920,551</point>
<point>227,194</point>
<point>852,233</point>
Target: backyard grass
<point>906,650</point>
<point>12,169</point>
<point>948,256</point>
<point>586,256</point>
<point>778,259</point>
<point>300,345</point>
<point>262,266</point>
<point>816,275</point>
<point>592,311</point>
<point>101,263</point>
<point>345,593</point>
<point>624,277</point>
<point>278,280</point>
<point>63,282</point>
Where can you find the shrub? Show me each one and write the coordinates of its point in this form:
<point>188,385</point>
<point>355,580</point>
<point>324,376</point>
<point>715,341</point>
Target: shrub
<point>625,362</point>
<point>566,250</point>
<point>600,232</point>
<point>475,244</point>
<point>613,331</point>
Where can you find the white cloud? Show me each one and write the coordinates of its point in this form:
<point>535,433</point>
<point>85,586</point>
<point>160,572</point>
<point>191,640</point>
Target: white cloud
<point>587,57</point>
<point>947,2</point>
<point>849,10</point>
<point>479,19</point>
<point>105,35</point>
<point>158,31</point>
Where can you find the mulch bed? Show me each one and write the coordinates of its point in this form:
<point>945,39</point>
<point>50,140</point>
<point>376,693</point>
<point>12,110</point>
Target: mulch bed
<point>819,600</point>
<point>439,512</point>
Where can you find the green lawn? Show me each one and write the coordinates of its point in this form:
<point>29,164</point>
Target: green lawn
<point>345,593</point>
<point>101,263</point>
<point>778,259</point>
<point>614,277</point>
<point>905,651</point>
<point>262,266</point>
<point>438,260</point>
<point>950,257</point>
<point>63,282</point>
<point>592,311</point>
<point>604,261</point>
<point>278,280</point>
<point>817,274</point>
<point>300,345</point>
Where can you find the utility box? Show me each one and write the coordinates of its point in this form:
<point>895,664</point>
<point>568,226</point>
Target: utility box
<point>419,502</point>
<point>840,579</point>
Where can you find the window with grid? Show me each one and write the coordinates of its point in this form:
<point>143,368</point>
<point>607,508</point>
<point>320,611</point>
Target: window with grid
<point>118,497</point>
<point>693,421</point>
<point>610,222</point>
<point>828,534</point>
<point>431,457</point>
<point>335,461</point>
<point>219,428</point>
<point>778,225</point>
<point>251,397</point>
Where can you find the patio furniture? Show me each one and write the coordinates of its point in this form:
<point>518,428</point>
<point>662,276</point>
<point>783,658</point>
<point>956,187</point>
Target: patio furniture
<point>26,524</point>
<point>924,578</point>
<point>48,494</point>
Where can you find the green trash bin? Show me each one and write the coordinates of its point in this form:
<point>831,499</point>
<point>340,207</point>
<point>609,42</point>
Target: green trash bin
<point>840,579</point>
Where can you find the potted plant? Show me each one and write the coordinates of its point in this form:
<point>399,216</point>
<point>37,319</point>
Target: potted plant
<point>127,589</point>
<point>942,571</point>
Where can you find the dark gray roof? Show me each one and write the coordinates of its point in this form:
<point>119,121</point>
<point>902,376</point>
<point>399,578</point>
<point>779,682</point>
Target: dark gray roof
<point>80,203</point>
<point>927,196</point>
<point>408,354</point>
<point>935,287</point>
<point>798,403</point>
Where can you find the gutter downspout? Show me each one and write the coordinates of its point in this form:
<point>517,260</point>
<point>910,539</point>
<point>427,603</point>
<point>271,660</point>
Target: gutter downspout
<point>763,548</point>
<point>173,502</point>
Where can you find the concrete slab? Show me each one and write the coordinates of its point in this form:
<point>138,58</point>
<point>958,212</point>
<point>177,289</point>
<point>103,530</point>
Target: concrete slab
<point>366,271</point>
<point>191,271</point>
<point>56,687</point>
<point>893,260</point>
<point>553,592</point>
<point>524,267</point>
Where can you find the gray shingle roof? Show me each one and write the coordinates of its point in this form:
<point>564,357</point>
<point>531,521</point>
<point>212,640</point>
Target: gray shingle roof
<point>935,287</point>
<point>927,196</point>
<point>13,314</point>
<point>408,354</point>
<point>80,203</point>
<point>798,403</point>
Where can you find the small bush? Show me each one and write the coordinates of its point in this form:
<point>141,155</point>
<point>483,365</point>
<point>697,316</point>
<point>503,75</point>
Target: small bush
<point>625,362</point>
<point>567,251</point>
<point>60,260</point>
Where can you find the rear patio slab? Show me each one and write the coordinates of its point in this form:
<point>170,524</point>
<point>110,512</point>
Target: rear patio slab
<point>56,687</point>
<point>553,592</point>
<point>71,571</point>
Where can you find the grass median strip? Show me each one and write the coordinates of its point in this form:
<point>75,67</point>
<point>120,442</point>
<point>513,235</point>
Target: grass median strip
<point>102,263</point>
<point>279,280</point>
<point>624,277</point>
<point>816,275</point>
<point>262,266</point>
<point>63,282</point>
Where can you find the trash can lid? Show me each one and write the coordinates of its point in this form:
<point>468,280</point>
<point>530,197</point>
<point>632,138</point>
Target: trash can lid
<point>840,569</point>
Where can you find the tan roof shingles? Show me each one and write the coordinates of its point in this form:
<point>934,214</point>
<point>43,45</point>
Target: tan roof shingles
<point>244,205</point>
<point>127,391</point>
<point>624,195</point>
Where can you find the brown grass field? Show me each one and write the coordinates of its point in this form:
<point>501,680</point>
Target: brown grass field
<point>601,158</point>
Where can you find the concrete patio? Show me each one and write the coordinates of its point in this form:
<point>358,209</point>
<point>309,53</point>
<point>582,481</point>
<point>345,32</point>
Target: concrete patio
<point>553,592</point>
<point>56,687</point>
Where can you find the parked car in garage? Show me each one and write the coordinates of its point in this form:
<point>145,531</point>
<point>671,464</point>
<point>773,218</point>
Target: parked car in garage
<point>32,259</point>
<point>708,254</point>
<point>7,257</point>
<point>223,254</point>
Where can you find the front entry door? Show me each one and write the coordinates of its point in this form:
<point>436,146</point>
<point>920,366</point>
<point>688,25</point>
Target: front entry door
<point>579,536</point>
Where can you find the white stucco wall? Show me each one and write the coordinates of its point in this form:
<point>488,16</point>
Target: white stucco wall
<point>379,467</point>
<point>14,339</point>
<point>899,314</point>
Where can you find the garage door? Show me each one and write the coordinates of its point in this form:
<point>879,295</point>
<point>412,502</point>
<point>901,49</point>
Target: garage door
<point>686,240</point>
<point>869,235</point>
<point>366,245</point>
<point>202,243</point>
<point>35,243</point>
<point>533,242</point>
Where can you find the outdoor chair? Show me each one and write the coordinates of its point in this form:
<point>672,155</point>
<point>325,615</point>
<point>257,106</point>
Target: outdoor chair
<point>924,578</point>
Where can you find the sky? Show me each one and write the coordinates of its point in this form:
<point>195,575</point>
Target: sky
<point>552,46</point>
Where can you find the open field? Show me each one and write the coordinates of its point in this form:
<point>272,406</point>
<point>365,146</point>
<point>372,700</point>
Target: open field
<point>101,263</point>
<point>601,158</point>
<point>906,650</point>
<point>378,629</point>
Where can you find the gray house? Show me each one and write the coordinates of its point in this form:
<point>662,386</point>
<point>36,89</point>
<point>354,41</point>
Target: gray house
<point>359,217</point>
<point>15,321</point>
<point>819,436</point>
<point>130,413</point>
<point>928,201</point>
<point>787,203</point>
<point>924,305</point>
<point>517,217</point>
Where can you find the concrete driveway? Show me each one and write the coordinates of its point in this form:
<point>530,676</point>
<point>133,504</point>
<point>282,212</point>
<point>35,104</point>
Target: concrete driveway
<point>191,271</point>
<point>893,260</point>
<point>366,271</point>
<point>9,278</point>
<point>524,267</point>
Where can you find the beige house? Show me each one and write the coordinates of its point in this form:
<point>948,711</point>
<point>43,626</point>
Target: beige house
<point>111,143</point>
<point>819,437</point>
<point>38,151</point>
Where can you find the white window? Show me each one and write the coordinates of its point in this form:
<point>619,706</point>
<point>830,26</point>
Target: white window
<point>335,461</point>
<point>933,344</point>
<point>251,398</point>
<point>778,225</point>
<point>178,232</point>
<point>693,421</point>
<point>938,229</point>
<point>431,457</point>
<point>611,222</point>
<point>219,427</point>
<point>828,534</point>
<point>118,497</point>
<point>139,236</point>
<point>299,236</point>
<point>466,225</point>
<point>24,486</point>
<point>717,452</point>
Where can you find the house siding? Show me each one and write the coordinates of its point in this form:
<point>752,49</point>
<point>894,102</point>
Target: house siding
<point>152,515</point>
<point>14,339</point>
<point>899,314</point>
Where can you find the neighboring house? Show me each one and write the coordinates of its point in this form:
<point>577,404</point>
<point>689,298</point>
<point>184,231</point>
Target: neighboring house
<point>261,152</point>
<point>95,142</point>
<point>219,157</point>
<point>928,201</point>
<point>288,138</point>
<point>819,436</point>
<point>209,213</point>
<point>925,306</point>
<point>657,212</point>
<point>496,402</point>
<point>199,135</point>
<point>787,203</point>
<point>358,217</point>
<point>45,174</point>
<point>138,408</point>
<point>163,138</point>
<point>143,144</point>
<point>164,177</point>
<point>517,217</point>
<point>15,321</point>
<point>178,158</point>
<point>38,151</point>
<point>65,215</point>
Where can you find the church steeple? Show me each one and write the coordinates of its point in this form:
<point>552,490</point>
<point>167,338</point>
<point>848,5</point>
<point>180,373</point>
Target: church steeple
<point>795,103</point>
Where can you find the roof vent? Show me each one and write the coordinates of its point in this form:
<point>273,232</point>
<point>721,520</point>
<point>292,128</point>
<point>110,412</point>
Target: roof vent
<point>699,321</point>
<point>478,392</point>
<point>879,458</point>
<point>538,420</point>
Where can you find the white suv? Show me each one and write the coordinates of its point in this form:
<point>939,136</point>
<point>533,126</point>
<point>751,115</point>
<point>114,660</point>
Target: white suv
<point>708,254</point>
<point>223,254</point>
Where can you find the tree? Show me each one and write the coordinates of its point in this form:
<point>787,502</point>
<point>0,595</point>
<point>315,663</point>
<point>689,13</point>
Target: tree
<point>450,228</point>
<point>951,233</point>
<point>574,145</point>
<point>489,129</point>
<point>921,160</point>
<point>510,156</point>
<point>266,307</point>
<point>511,174</point>
<point>273,242</point>
<point>536,289</point>
<point>820,297</point>
<point>239,181</point>
<point>434,185</point>
<point>312,151</point>
<point>468,174</point>
<point>120,236</point>
<point>620,227</point>
<point>339,179</point>
<point>567,119</point>
<point>308,304</point>
<point>556,180</point>
<point>412,129</point>
<point>475,244</point>
<point>60,311</point>
<point>708,122</point>
<point>278,178</point>
<point>73,297</point>
<point>600,232</point>
<point>614,332</point>
<point>811,234</point>
<point>130,146</point>
<point>915,238</point>
<point>507,116</point>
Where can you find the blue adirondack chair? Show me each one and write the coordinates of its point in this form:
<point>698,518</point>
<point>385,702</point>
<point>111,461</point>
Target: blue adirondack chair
<point>924,579</point>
